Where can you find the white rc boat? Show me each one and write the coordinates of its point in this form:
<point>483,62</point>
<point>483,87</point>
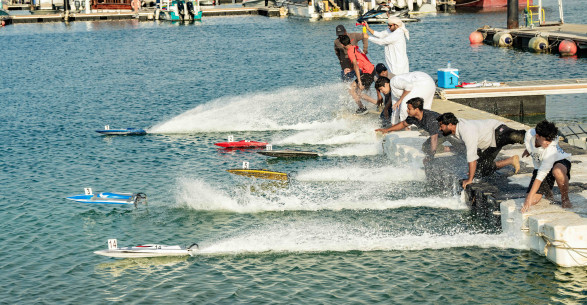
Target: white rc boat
<point>147,250</point>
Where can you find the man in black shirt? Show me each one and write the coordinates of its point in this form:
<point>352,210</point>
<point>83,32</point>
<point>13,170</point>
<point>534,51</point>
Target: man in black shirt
<point>422,118</point>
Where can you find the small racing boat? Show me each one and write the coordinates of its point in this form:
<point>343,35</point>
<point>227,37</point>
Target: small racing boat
<point>122,132</point>
<point>241,144</point>
<point>260,173</point>
<point>289,153</point>
<point>146,250</point>
<point>110,198</point>
<point>231,143</point>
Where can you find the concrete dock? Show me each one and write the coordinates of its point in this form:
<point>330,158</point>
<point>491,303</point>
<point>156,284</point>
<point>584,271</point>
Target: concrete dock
<point>549,230</point>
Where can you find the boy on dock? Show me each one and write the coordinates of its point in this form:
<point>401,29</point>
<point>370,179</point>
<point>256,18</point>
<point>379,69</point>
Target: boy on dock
<point>346,68</point>
<point>364,70</point>
<point>550,164</point>
<point>483,140</point>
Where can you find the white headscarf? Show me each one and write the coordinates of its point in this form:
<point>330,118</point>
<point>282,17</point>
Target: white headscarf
<point>396,20</point>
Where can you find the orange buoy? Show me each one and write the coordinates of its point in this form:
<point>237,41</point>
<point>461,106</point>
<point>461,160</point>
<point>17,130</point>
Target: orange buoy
<point>3,23</point>
<point>567,47</point>
<point>476,37</point>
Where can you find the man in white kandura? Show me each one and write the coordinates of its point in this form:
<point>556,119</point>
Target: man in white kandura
<point>394,40</point>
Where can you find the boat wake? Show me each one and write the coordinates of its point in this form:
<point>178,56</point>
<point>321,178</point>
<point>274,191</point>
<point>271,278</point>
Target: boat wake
<point>318,236</point>
<point>274,196</point>
<point>286,109</point>
<point>366,174</point>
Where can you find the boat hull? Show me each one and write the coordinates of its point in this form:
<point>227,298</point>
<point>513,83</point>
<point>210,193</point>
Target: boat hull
<point>146,251</point>
<point>241,144</point>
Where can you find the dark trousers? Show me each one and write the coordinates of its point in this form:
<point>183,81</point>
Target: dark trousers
<point>503,136</point>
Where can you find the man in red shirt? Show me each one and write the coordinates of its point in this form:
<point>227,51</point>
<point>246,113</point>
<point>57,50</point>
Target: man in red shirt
<point>346,68</point>
<point>364,70</point>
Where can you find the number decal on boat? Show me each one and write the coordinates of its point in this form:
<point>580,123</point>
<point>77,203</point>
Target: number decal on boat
<point>269,147</point>
<point>230,138</point>
<point>112,244</point>
<point>88,191</point>
<point>246,165</point>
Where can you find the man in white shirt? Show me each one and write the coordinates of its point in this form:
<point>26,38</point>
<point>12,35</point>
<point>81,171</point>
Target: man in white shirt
<point>550,163</point>
<point>483,140</point>
<point>394,40</point>
<point>402,88</point>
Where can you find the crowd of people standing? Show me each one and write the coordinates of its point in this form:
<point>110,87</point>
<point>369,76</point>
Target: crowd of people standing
<point>405,99</point>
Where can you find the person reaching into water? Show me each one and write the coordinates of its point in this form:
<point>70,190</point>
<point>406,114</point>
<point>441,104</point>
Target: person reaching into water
<point>422,118</point>
<point>551,164</point>
<point>401,88</point>
<point>483,141</point>
<point>346,67</point>
<point>394,41</point>
<point>364,70</point>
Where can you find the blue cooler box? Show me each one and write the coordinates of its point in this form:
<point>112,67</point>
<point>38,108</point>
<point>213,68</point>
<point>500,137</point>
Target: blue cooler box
<point>448,78</point>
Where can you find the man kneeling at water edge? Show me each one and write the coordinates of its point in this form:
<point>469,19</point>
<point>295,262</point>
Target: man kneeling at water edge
<point>550,163</point>
<point>483,140</point>
<point>422,118</point>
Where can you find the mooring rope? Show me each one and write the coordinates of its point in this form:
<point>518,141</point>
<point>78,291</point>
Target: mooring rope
<point>561,244</point>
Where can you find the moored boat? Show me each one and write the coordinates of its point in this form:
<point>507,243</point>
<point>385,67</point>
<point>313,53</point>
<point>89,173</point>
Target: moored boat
<point>487,3</point>
<point>178,10</point>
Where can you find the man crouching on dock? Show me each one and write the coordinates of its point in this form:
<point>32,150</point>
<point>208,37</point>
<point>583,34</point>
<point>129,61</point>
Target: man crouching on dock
<point>550,163</point>
<point>483,140</point>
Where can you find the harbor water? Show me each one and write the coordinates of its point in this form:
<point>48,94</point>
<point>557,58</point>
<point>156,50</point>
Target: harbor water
<point>352,226</point>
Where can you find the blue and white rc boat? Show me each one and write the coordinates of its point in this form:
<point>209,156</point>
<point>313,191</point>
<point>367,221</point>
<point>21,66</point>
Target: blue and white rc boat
<point>110,198</point>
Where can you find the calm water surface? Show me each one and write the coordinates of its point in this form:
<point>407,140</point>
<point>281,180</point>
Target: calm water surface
<point>352,226</point>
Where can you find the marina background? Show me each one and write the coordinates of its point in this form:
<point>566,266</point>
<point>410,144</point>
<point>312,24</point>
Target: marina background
<point>353,226</point>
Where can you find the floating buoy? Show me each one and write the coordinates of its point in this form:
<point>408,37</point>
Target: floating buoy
<point>538,44</point>
<point>476,37</point>
<point>503,39</point>
<point>567,47</point>
<point>3,23</point>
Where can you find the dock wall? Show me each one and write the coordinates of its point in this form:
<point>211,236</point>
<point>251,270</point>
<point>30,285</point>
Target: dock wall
<point>507,105</point>
<point>549,230</point>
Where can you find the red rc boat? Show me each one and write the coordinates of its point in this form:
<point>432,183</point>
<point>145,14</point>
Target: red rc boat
<point>241,144</point>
